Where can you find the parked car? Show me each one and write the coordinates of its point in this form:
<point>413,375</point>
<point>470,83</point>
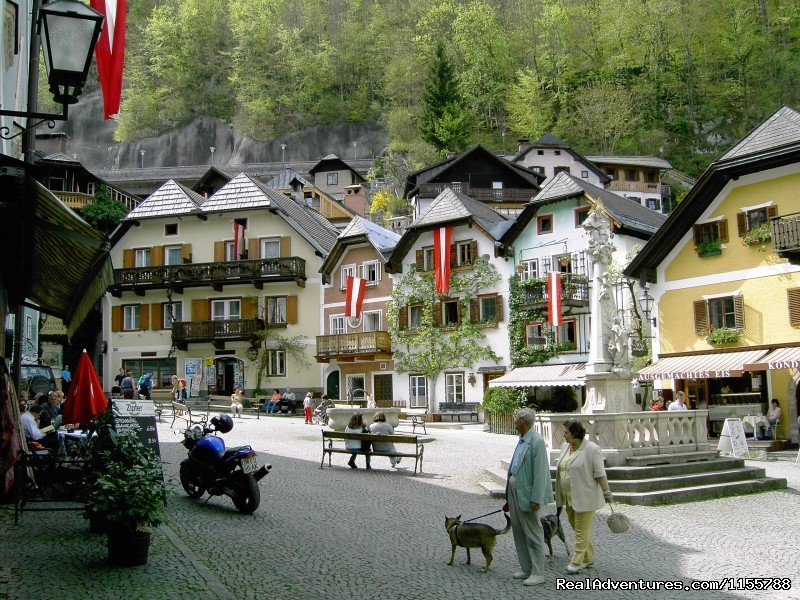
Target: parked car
<point>37,379</point>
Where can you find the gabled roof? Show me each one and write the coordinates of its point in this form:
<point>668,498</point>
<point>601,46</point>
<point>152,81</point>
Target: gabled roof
<point>628,213</point>
<point>756,155</point>
<point>451,208</point>
<point>284,179</point>
<point>549,140</point>
<point>652,162</point>
<point>239,193</point>
<point>171,199</point>
<point>359,231</point>
<point>213,174</point>
<point>426,174</point>
<point>331,162</point>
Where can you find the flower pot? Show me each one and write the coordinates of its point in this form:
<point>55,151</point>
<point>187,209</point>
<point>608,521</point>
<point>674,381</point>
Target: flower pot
<point>715,252</point>
<point>128,548</point>
<point>98,523</point>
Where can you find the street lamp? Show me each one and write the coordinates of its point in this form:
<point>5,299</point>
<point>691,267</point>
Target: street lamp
<point>69,32</point>
<point>212,148</point>
<point>646,302</point>
<point>141,153</point>
<point>283,153</point>
<point>354,150</point>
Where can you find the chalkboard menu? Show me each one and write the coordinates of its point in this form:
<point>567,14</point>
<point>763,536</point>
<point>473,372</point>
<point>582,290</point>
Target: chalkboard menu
<point>143,427</point>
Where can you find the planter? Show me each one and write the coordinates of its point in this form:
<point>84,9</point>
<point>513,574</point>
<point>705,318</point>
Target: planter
<point>705,253</point>
<point>98,523</point>
<point>128,549</point>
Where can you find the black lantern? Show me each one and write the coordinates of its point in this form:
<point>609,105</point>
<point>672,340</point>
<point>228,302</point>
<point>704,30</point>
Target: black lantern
<point>646,302</point>
<point>69,32</point>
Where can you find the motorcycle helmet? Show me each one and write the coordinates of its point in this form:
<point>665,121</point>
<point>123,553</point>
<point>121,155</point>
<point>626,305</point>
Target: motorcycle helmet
<point>222,423</point>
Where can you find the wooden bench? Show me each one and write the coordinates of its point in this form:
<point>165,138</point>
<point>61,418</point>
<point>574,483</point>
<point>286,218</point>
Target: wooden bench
<point>183,412</point>
<point>458,409</point>
<point>330,436</point>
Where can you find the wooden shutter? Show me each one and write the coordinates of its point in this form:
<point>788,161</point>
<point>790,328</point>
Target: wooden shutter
<point>700,317</point>
<point>474,250</point>
<point>219,251</point>
<point>698,237</point>
<point>116,317</point>
<point>420,261</point>
<point>794,306</point>
<point>186,253</point>
<point>741,222</point>
<point>128,259</point>
<point>722,230</point>
<point>286,246</point>
<point>402,317</point>
<point>499,308</point>
<point>772,212</point>
<point>437,313</point>
<point>144,316</point>
<point>249,307</point>
<point>156,316</point>
<point>200,310</point>
<point>157,256</point>
<point>738,311</point>
<point>254,249</point>
<point>474,310</point>
<point>291,308</point>
<point>453,255</point>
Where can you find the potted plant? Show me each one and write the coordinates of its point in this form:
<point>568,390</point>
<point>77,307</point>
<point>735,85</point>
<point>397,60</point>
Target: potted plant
<point>711,248</point>
<point>129,491</point>
<point>723,335</point>
<point>564,259</point>
<point>758,236</point>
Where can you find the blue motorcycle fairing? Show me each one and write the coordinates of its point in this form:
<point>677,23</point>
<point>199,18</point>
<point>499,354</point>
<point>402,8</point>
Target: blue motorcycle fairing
<point>210,447</point>
<point>237,453</point>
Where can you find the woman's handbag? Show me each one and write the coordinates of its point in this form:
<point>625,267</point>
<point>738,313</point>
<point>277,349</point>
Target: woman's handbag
<point>617,522</point>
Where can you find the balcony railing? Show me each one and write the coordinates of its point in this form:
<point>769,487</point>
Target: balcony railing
<point>75,199</point>
<point>574,291</point>
<point>786,236</point>
<point>255,272</point>
<point>634,186</point>
<point>353,345</point>
<point>431,190</point>
<point>216,332</point>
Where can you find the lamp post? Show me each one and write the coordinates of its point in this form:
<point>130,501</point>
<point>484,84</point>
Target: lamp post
<point>141,153</point>
<point>283,153</point>
<point>354,150</point>
<point>646,302</point>
<point>212,148</point>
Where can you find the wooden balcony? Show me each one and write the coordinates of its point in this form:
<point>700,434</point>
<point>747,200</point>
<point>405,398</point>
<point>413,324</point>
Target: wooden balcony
<point>216,275</point>
<point>354,347</point>
<point>786,236</point>
<point>511,195</point>
<point>574,292</point>
<point>634,186</point>
<point>216,332</point>
<point>74,199</point>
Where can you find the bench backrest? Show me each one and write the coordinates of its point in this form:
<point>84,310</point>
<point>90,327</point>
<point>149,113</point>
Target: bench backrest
<point>372,437</point>
<point>465,406</point>
<point>180,409</point>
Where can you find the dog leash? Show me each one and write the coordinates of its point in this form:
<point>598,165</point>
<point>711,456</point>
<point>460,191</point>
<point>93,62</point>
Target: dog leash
<point>486,515</point>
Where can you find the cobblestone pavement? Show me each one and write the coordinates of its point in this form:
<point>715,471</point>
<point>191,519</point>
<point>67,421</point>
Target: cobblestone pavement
<point>339,533</point>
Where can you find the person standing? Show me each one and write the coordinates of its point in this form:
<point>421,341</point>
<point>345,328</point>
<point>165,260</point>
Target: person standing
<point>66,378</point>
<point>679,403</point>
<point>581,487</point>
<point>528,490</point>
<point>307,401</point>
<point>128,385</point>
<point>118,382</point>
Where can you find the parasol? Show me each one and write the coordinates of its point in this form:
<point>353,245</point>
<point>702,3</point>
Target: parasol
<point>85,398</point>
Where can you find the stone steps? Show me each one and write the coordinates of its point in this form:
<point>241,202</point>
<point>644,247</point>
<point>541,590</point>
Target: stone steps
<point>644,472</point>
<point>701,492</point>
<point>662,459</point>
<point>658,484</point>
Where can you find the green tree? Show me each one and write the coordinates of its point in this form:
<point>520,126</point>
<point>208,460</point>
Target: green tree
<point>104,213</point>
<point>444,124</point>
<point>530,112</point>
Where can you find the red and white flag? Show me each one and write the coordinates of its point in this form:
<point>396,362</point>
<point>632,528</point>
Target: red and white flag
<point>356,286</point>
<point>238,239</point>
<point>110,53</point>
<point>554,316</point>
<point>442,239</point>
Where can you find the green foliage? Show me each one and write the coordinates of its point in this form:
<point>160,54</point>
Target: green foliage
<point>758,236</point>
<point>445,124</point>
<point>104,213</point>
<point>503,399</point>
<point>708,248</point>
<point>560,399</point>
<point>723,335</point>
<point>528,106</point>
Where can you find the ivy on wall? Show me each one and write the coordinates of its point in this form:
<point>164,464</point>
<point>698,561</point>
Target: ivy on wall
<point>522,354</point>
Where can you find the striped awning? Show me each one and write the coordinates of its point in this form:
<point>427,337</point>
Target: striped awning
<point>701,366</point>
<point>782,358</point>
<point>542,376</point>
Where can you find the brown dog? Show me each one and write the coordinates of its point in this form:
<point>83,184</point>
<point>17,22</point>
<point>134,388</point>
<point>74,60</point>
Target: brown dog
<point>473,535</point>
<point>551,524</point>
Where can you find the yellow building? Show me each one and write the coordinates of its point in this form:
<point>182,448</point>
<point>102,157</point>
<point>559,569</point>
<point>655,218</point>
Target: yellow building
<point>724,273</point>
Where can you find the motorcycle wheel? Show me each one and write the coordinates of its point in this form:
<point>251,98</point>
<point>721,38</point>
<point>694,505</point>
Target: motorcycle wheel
<point>190,480</point>
<point>248,496</point>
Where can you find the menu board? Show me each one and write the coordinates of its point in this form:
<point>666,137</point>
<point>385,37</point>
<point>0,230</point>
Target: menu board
<point>732,438</point>
<point>144,428</point>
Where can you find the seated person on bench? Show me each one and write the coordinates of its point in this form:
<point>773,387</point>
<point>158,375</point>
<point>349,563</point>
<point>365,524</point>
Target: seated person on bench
<point>381,427</point>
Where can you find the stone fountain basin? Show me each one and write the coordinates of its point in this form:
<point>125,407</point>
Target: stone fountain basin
<point>341,414</point>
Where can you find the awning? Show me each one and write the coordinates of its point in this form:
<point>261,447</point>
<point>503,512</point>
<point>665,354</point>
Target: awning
<point>701,366</point>
<point>51,257</point>
<point>782,358</point>
<point>492,369</point>
<point>542,376</point>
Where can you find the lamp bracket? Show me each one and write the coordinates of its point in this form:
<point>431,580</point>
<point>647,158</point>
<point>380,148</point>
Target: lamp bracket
<point>50,119</point>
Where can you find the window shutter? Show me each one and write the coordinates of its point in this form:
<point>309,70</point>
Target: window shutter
<point>437,313</point>
<point>474,249</point>
<point>157,256</point>
<point>722,230</point>
<point>474,311</point>
<point>697,236</point>
<point>378,270</point>
<point>453,255</point>
<point>144,317</point>
<point>249,307</point>
<point>286,246</point>
<point>738,311</point>
<point>254,249</point>
<point>741,222</point>
<point>116,317</point>
<point>499,308</point>
<point>156,316</point>
<point>700,317</point>
<point>186,253</point>
<point>420,261</point>
<point>291,309</point>
<point>772,211</point>
<point>200,310</point>
<point>128,260</point>
<point>402,317</point>
<point>219,251</point>
<point>794,306</point>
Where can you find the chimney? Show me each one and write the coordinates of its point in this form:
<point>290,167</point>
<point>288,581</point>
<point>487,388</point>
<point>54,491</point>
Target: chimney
<point>523,144</point>
<point>355,198</point>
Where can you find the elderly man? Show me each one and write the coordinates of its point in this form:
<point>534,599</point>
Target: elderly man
<point>528,489</point>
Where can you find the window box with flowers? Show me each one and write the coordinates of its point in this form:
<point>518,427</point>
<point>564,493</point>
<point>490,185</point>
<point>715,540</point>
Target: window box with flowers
<point>723,335</point>
<point>712,248</point>
<point>758,236</point>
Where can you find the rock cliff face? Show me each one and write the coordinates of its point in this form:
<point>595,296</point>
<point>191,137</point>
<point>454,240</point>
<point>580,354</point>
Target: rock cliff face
<point>91,140</point>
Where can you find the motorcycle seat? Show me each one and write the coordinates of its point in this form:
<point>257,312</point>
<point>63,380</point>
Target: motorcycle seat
<point>231,451</point>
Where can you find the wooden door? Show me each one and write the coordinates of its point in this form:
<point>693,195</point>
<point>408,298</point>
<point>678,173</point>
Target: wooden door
<point>382,388</point>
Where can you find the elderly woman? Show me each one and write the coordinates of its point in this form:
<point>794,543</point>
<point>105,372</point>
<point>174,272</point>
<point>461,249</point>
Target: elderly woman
<point>581,487</point>
<point>381,427</point>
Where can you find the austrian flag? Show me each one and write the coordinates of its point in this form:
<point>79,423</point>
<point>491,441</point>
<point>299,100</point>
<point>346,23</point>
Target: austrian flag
<point>442,239</point>
<point>356,286</point>
<point>110,53</point>
<point>554,316</point>
<point>239,231</point>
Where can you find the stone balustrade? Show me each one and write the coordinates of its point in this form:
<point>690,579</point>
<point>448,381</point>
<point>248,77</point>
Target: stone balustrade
<point>620,435</point>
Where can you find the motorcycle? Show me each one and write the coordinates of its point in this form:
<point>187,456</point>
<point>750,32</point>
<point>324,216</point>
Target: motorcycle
<point>212,468</point>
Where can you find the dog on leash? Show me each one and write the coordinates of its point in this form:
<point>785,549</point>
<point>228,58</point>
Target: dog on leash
<point>473,535</point>
<point>551,524</point>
